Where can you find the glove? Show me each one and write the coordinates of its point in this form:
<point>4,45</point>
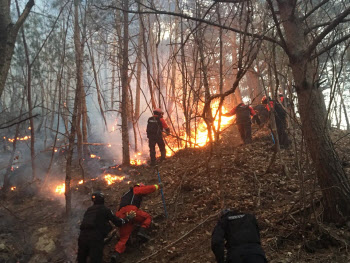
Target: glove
<point>167,131</point>
<point>130,215</point>
<point>160,185</point>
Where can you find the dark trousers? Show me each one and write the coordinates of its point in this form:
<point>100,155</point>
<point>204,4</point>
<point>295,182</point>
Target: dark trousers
<point>245,130</point>
<point>89,247</point>
<point>152,147</point>
<point>281,126</point>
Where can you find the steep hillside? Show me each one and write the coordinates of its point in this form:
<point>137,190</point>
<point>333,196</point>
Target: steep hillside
<point>199,183</point>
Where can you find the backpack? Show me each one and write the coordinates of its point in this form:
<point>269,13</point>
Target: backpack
<point>154,127</point>
<point>242,114</point>
<point>129,198</point>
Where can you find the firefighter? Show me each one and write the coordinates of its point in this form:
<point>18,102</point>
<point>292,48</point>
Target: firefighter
<point>242,236</point>
<point>243,121</point>
<point>281,120</point>
<point>281,97</point>
<point>131,201</point>
<point>155,126</point>
<point>95,227</point>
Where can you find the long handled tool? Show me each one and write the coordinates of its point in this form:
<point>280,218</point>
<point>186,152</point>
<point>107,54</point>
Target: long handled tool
<point>161,191</point>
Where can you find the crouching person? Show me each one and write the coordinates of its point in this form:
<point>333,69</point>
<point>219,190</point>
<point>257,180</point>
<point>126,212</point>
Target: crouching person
<point>241,233</point>
<point>95,227</point>
<point>131,201</point>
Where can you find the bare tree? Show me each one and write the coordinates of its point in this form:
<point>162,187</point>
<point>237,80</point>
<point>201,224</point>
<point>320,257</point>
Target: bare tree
<point>8,35</point>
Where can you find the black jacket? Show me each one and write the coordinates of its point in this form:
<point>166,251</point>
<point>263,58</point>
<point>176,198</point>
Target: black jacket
<point>242,237</point>
<point>96,221</point>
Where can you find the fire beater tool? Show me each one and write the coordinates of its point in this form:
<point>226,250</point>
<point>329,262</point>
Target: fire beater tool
<point>161,191</point>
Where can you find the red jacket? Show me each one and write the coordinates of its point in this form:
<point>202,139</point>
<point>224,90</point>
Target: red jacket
<point>134,196</point>
<point>145,189</point>
<point>164,125</point>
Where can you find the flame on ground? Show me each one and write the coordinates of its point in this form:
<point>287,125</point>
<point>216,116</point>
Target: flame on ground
<point>94,156</point>
<point>200,137</point>
<point>137,160</point>
<point>13,188</point>
<point>60,189</point>
<point>18,138</point>
<point>81,182</point>
<point>111,179</point>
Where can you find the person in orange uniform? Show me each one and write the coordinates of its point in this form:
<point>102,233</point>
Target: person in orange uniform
<point>155,126</point>
<point>131,201</point>
<point>243,121</point>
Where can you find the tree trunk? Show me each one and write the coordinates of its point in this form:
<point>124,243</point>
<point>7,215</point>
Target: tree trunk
<point>148,70</point>
<point>30,106</point>
<point>333,181</point>
<point>138,68</point>
<point>77,102</point>
<point>79,71</point>
<point>124,79</point>
<point>8,35</point>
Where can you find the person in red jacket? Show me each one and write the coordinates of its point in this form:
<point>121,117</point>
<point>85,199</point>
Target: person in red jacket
<point>155,126</point>
<point>131,201</point>
<point>243,120</point>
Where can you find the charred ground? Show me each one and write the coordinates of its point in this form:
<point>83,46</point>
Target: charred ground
<point>199,183</point>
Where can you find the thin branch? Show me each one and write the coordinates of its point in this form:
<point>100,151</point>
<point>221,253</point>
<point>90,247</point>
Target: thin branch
<point>1,128</point>
<point>325,32</point>
<point>156,11</point>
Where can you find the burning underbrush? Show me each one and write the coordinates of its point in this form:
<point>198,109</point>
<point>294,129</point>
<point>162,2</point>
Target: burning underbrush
<point>199,183</point>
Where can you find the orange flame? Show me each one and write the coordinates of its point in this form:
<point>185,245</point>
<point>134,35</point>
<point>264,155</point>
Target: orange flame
<point>137,160</point>
<point>111,179</point>
<point>13,188</point>
<point>19,139</point>
<point>201,138</point>
<point>60,189</point>
<point>81,182</point>
<point>94,156</point>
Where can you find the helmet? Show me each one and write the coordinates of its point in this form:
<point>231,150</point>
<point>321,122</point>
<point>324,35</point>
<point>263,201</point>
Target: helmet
<point>158,111</point>
<point>98,197</point>
<point>264,100</point>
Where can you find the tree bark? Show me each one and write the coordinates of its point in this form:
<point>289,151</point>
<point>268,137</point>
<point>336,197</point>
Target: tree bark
<point>332,178</point>
<point>8,35</point>
<point>125,88</point>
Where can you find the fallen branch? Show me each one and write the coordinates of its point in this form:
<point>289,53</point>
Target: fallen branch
<point>183,236</point>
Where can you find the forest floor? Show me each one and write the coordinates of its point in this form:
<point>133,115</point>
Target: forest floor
<point>198,184</point>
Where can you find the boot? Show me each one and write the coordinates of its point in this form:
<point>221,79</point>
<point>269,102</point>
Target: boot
<point>115,258</point>
<point>143,234</point>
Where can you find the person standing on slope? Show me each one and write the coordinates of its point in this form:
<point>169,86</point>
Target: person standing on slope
<point>243,120</point>
<point>155,126</point>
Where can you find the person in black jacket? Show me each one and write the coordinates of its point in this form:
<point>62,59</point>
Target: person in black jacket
<point>242,237</point>
<point>95,227</point>
<point>243,120</point>
<point>281,120</point>
<point>155,126</point>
